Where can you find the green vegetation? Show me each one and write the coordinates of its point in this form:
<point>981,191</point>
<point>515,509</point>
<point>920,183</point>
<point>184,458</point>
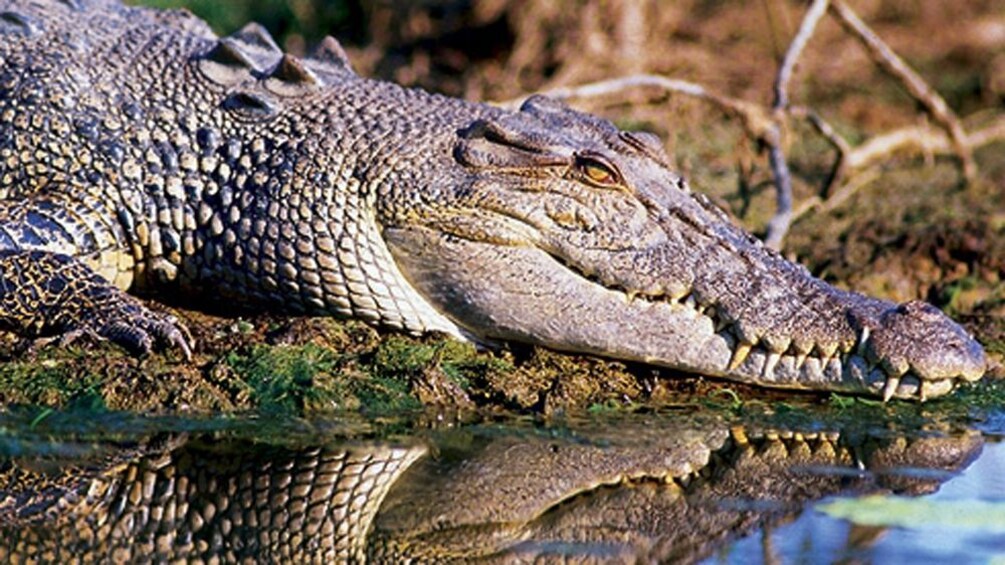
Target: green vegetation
<point>44,382</point>
<point>291,21</point>
<point>287,379</point>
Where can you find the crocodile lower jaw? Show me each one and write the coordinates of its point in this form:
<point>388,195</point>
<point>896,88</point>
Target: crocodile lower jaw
<point>841,365</point>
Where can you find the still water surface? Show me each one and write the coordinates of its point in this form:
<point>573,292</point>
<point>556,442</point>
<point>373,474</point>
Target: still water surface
<point>657,487</point>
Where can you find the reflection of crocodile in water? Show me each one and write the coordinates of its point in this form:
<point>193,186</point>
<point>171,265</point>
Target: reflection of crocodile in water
<point>672,492</point>
<point>137,148</point>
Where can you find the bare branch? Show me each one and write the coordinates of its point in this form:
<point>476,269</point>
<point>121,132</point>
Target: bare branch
<point>914,84</point>
<point>836,140</point>
<point>756,121</point>
<point>839,197</point>
<point>779,224</point>
<point>882,146</point>
<point>924,138</point>
<point>806,29</point>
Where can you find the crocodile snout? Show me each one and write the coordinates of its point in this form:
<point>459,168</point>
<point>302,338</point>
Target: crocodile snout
<point>921,350</point>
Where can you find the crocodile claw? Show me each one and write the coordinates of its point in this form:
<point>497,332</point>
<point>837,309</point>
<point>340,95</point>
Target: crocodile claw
<point>142,336</point>
<point>69,301</point>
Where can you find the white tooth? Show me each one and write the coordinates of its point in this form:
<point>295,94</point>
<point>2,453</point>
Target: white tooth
<point>862,341</point>
<point>677,293</point>
<point>739,435</point>
<point>739,355</point>
<point>895,366</point>
<point>826,351</point>
<point>768,371</point>
<point>721,324</point>
<point>690,302</point>
<point>930,389</point>
<point>890,387</point>
<point>800,359</point>
<point>776,343</point>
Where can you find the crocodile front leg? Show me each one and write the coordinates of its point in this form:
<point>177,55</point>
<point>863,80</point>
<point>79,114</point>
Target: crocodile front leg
<point>48,294</point>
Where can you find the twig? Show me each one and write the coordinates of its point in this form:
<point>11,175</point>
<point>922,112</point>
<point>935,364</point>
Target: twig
<point>756,120</point>
<point>839,197</point>
<point>882,146</point>
<point>779,224</point>
<point>926,138</point>
<point>803,35</point>
<point>840,144</point>
<point>914,84</point>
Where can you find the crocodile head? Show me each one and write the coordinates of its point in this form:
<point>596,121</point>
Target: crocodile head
<point>564,231</point>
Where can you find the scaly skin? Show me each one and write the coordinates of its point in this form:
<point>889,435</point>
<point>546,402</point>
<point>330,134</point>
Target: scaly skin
<point>635,493</point>
<point>137,144</point>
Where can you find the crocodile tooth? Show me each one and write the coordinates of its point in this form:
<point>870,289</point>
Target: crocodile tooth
<point>712,312</point>
<point>677,291</point>
<point>895,366</point>
<point>863,338</point>
<point>801,359</point>
<point>890,387</point>
<point>690,302</point>
<point>929,389</point>
<point>846,346</point>
<point>746,332</point>
<point>776,343</point>
<point>739,355</point>
<point>826,351</point>
<point>739,435</point>
<point>721,323</point>
<point>768,371</point>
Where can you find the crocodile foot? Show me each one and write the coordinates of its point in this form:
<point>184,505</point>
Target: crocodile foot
<point>59,299</point>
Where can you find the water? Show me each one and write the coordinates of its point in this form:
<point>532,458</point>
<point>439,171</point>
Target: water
<point>942,532</point>
<point>674,486</point>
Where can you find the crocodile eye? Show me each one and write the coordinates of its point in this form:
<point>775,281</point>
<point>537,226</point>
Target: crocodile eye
<point>597,171</point>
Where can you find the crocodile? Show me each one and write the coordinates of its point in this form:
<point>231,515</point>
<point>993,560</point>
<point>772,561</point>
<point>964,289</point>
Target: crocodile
<point>139,152</point>
<point>469,495</point>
